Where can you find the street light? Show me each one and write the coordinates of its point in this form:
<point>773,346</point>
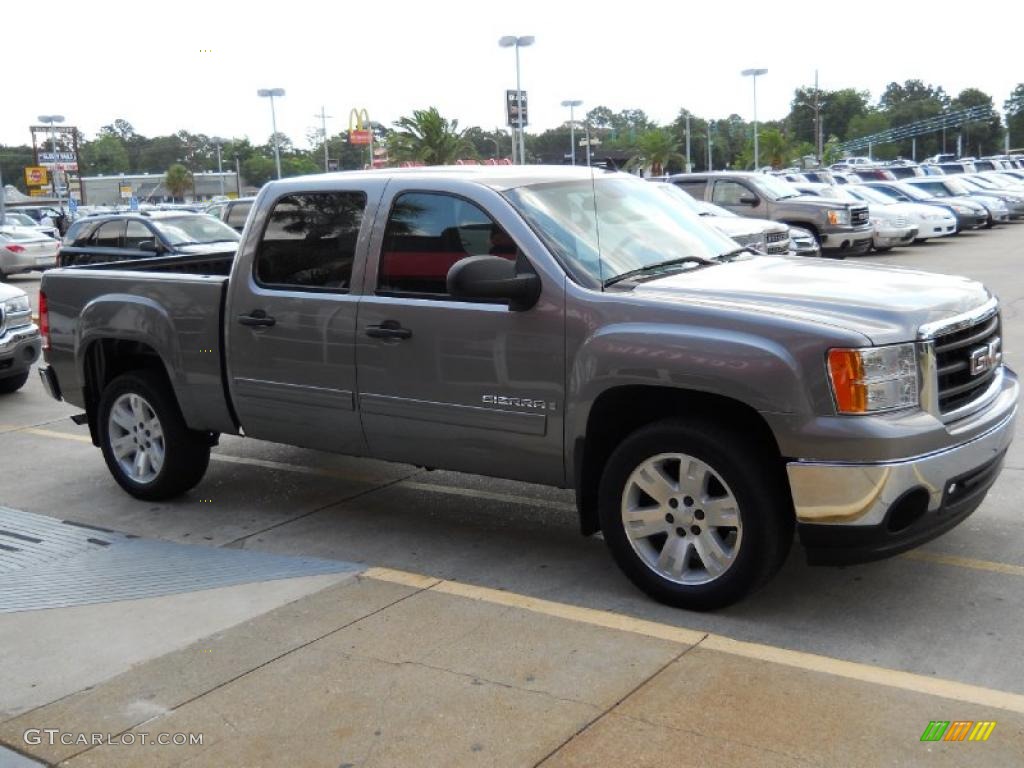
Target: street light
<point>217,140</point>
<point>509,41</point>
<point>51,120</point>
<point>572,104</point>
<point>270,93</point>
<point>754,73</point>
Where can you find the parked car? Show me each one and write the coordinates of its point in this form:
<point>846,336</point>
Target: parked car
<point>23,249</point>
<point>803,243</point>
<point>19,338</point>
<point>120,236</point>
<point>1009,192</point>
<point>841,228</point>
<point>930,220</point>
<point>232,212</point>
<point>891,228</point>
<point>559,326</point>
<point>969,213</point>
<point>997,210</point>
<point>760,234</point>
<point>15,219</point>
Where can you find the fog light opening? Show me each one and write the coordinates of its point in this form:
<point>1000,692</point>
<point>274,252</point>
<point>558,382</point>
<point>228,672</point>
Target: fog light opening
<point>907,509</point>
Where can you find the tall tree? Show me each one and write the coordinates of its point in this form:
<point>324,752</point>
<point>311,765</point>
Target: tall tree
<point>654,150</point>
<point>980,137</point>
<point>1014,108</point>
<point>429,138</point>
<point>106,154</point>
<point>177,180</point>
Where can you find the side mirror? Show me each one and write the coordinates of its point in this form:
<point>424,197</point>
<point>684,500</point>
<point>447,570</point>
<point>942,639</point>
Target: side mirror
<point>492,277</point>
<point>750,200</point>
<point>151,246</point>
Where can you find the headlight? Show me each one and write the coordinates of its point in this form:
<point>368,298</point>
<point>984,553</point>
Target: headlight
<point>962,209</point>
<point>838,217</point>
<point>874,379</point>
<point>15,305</point>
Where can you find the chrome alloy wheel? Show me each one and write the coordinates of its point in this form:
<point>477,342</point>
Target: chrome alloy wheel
<point>136,438</point>
<point>681,519</point>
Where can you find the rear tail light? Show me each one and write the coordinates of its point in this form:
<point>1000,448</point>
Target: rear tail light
<point>15,248</point>
<point>44,321</point>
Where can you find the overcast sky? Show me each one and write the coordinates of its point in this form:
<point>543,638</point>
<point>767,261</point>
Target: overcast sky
<point>145,61</point>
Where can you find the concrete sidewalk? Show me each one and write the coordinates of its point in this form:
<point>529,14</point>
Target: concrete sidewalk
<point>392,669</point>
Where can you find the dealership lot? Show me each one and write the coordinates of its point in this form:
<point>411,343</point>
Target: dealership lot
<point>471,623</point>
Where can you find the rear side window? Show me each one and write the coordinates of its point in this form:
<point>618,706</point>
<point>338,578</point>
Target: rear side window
<point>310,241</point>
<point>695,188</point>
<point>426,234</point>
<point>110,234</point>
<point>238,213</point>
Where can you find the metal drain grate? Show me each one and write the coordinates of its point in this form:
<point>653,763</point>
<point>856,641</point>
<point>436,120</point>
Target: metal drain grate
<point>56,564</point>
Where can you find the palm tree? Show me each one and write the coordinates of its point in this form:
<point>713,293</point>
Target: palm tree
<point>774,148</point>
<point>428,138</point>
<point>654,150</point>
<point>177,180</point>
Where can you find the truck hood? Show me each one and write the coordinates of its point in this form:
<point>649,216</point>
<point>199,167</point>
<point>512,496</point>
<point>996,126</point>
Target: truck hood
<point>886,304</point>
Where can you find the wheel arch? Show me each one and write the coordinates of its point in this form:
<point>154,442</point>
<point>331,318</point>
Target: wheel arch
<point>619,411</point>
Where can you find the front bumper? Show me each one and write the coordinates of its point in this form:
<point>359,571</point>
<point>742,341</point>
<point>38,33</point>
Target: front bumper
<point>888,237</point>
<point>971,220</point>
<point>19,348</point>
<point>849,513</point>
<point>851,242</point>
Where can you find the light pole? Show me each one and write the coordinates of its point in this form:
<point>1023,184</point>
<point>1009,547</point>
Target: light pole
<point>270,93</point>
<point>217,140</point>
<point>572,104</point>
<point>51,120</point>
<point>509,41</point>
<point>753,73</point>
<point>323,130</point>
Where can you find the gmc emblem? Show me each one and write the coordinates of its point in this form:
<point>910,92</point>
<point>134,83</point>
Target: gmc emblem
<point>985,358</point>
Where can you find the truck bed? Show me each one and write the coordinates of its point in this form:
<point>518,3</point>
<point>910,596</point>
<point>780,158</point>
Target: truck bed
<point>219,264</point>
<point>169,307</point>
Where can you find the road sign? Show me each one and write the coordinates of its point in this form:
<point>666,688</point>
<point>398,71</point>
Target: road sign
<point>359,137</point>
<point>133,204</point>
<point>36,176</point>
<point>126,191</point>
<point>72,205</point>
<point>512,109</point>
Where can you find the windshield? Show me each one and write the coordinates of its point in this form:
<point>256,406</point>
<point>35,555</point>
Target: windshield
<point>193,230</point>
<point>774,187</point>
<point>873,195</point>
<point>710,209</point>
<point>916,192</point>
<point>19,220</point>
<point>681,197</point>
<point>958,187</point>
<point>603,228</point>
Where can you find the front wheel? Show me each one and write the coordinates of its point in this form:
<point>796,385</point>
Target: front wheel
<point>13,383</point>
<point>693,515</point>
<point>146,444</point>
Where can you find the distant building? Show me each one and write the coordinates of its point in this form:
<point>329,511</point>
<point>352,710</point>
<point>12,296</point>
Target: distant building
<point>117,189</point>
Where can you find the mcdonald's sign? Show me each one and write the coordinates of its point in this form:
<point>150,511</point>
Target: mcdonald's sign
<point>359,131</point>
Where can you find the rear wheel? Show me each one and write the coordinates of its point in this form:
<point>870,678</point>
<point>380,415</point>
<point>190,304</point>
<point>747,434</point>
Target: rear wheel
<point>13,383</point>
<point>148,448</point>
<point>693,515</point>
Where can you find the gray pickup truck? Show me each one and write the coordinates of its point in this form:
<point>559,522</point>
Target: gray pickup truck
<point>842,228</point>
<point>560,326</point>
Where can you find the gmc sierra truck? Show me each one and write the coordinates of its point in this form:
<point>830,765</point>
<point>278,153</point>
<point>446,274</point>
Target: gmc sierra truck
<point>841,228</point>
<point>561,326</point>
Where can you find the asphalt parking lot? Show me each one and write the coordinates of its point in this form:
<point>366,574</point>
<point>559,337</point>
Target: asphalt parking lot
<point>469,623</point>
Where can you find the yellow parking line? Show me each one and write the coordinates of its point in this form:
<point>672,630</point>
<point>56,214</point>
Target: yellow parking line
<point>809,662</point>
<point>964,562</point>
<point>1007,569</point>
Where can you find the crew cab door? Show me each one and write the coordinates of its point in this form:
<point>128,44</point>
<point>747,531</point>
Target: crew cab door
<point>291,314</point>
<point>738,197</point>
<point>465,385</point>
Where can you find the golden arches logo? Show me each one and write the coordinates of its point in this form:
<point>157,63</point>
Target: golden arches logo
<point>358,120</point>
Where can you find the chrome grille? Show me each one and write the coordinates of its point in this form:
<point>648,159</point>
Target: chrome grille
<point>774,237</point>
<point>858,216</point>
<point>958,384</point>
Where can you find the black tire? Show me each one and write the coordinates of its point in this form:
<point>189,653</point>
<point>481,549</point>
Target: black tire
<point>13,383</point>
<point>883,250</point>
<point>186,453</point>
<point>761,497</point>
